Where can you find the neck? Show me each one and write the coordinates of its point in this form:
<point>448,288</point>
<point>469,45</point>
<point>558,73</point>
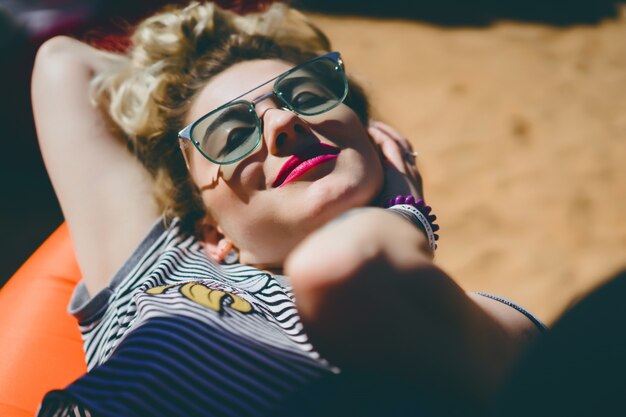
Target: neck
<point>274,269</point>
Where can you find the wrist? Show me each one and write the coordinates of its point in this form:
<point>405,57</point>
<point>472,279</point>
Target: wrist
<point>419,214</point>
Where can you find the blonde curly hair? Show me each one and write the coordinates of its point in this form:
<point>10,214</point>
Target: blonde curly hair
<point>147,92</point>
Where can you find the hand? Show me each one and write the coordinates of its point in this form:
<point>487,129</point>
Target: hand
<point>370,299</point>
<point>345,247</point>
<point>345,273</point>
<point>401,174</point>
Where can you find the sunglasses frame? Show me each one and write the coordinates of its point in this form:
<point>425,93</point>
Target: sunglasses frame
<point>185,133</point>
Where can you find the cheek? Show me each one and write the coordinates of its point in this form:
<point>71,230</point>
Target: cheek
<point>250,177</point>
<point>230,202</point>
<point>341,126</point>
<point>354,135</point>
<point>223,206</point>
<point>203,172</point>
<point>373,177</point>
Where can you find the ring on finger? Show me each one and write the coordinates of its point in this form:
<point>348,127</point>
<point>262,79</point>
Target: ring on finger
<point>410,156</point>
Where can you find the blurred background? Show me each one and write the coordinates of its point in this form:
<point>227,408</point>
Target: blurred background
<point>517,110</point>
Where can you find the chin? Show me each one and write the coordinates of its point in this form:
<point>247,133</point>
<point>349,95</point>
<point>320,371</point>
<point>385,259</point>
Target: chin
<point>330,197</point>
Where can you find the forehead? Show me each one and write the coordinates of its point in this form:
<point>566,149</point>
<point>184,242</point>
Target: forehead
<point>234,81</point>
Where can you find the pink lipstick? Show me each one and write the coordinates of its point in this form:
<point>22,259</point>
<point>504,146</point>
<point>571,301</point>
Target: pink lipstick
<point>304,160</point>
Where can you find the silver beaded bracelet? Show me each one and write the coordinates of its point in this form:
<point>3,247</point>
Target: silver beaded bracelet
<point>417,218</point>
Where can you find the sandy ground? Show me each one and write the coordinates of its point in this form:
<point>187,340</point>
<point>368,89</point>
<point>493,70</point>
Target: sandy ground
<point>521,133</point>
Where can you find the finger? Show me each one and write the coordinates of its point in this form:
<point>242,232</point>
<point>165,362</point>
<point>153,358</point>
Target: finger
<point>401,159</point>
<point>378,135</point>
<point>394,134</point>
<point>408,155</point>
<point>408,169</point>
<point>406,146</point>
<point>390,149</point>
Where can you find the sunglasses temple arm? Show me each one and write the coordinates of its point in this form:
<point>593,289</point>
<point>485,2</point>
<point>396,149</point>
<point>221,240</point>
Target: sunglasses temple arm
<point>185,133</point>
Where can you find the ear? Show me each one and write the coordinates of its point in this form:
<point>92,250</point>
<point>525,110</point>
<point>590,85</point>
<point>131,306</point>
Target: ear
<point>215,244</point>
<point>209,235</point>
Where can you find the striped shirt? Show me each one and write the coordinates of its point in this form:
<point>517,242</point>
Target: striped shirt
<point>174,324</point>
<point>175,334</point>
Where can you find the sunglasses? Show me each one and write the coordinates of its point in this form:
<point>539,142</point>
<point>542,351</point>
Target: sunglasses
<point>234,130</point>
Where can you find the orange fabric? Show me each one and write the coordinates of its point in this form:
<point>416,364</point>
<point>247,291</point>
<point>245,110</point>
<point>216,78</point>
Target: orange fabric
<point>40,345</point>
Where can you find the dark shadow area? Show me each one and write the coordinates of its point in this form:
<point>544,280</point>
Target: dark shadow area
<point>473,13</point>
<point>29,211</point>
<point>578,369</point>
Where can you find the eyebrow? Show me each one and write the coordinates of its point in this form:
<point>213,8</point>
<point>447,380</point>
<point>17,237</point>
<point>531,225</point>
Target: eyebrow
<point>289,82</point>
<point>226,114</point>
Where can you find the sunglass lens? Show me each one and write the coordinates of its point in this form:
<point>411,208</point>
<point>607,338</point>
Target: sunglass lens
<point>314,88</point>
<point>229,134</point>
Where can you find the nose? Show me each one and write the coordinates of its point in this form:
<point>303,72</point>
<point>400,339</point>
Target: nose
<point>281,129</point>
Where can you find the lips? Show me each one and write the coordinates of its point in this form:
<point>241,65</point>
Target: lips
<point>304,160</point>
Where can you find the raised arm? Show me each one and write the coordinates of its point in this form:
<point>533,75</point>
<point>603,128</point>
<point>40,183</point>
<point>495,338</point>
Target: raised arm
<point>370,297</point>
<point>104,191</point>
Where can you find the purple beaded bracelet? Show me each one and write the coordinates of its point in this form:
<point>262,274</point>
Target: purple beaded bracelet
<point>420,212</point>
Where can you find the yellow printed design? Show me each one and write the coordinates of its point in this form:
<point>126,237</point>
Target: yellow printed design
<point>160,290</point>
<point>207,297</point>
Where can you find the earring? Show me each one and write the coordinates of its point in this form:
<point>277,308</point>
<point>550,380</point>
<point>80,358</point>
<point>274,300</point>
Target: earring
<point>227,253</point>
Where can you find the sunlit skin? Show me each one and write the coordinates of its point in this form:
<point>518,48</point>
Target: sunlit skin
<point>267,222</point>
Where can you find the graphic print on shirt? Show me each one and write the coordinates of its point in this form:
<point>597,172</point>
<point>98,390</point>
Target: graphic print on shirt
<point>150,284</point>
<point>229,308</point>
<point>215,299</point>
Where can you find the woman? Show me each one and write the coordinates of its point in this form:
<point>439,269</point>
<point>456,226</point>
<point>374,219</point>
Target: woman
<point>260,156</point>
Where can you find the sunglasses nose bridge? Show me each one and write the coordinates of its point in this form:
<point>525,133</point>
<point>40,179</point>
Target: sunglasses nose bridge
<point>263,97</point>
<point>261,112</point>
